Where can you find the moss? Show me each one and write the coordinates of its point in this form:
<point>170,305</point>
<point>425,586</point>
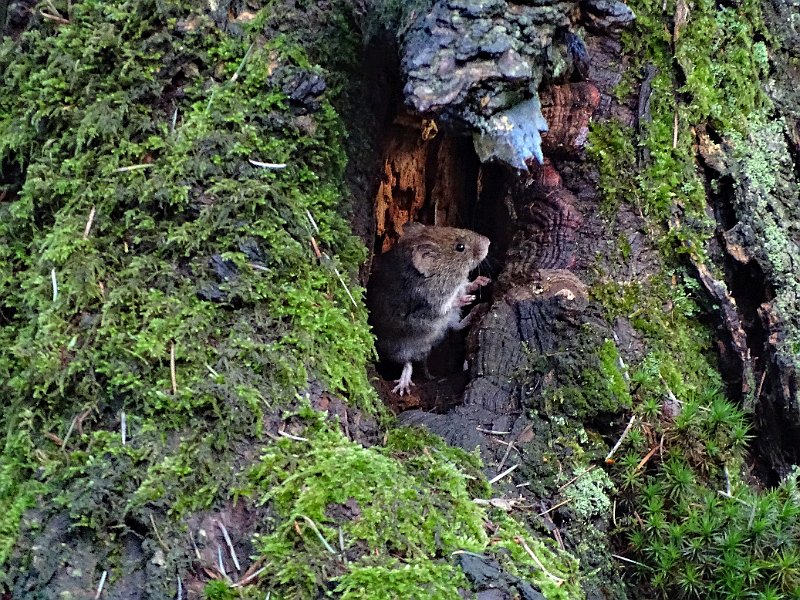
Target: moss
<point>610,146</point>
<point>561,581</point>
<point>402,580</point>
<point>690,440</point>
<point>588,378</point>
<point>126,116</point>
<point>414,503</point>
<point>399,512</point>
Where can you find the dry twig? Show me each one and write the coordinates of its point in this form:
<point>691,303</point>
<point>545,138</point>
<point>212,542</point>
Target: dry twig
<point>557,580</point>
<point>621,439</point>
<point>230,545</point>
<point>498,477</point>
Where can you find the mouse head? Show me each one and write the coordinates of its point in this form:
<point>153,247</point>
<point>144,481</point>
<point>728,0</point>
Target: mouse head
<point>444,250</point>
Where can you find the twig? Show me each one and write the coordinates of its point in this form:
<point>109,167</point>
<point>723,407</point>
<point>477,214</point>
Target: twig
<point>727,480</point>
<point>760,385</point>
<point>492,432</point>
<point>173,375</point>
<point>621,438</point>
<point>69,430</point>
<point>180,588</point>
<point>526,484</point>
<point>158,535</point>
<point>241,64</point>
<point>505,456</point>
<point>57,19</point>
<point>341,539</point>
<point>497,478</point>
<point>296,438</point>
<point>174,120</point>
<point>196,551</point>
<point>675,130</point>
<point>258,267</point>
<point>133,168</point>
<point>249,578</point>
<point>54,438</point>
<point>89,222</point>
<point>559,539</point>
<point>319,535</point>
<point>102,583</point>
<point>557,580</point>
<point>552,508</point>
<point>344,285</point>
<point>55,283</point>
<point>647,457</point>
<point>633,562</point>
<point>315,247</point>
<point>578,476</point>
<point>230,545</point>
<point>266,165</point>
<point>220,563</point>
<point>313,222</point>
<point>732,497</point>
<point>123,425</point>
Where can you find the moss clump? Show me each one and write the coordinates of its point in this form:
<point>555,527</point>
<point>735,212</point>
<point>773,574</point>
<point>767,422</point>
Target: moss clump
<point>379,521</point>
<point>589,377</point>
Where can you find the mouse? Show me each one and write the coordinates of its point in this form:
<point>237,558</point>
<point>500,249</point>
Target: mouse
<point>416,291</point>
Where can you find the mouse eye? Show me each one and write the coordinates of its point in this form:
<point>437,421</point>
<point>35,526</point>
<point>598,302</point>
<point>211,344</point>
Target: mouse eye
<point>460,247</point>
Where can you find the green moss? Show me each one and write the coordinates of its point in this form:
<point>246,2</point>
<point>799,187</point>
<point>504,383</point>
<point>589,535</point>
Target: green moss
<point>590,380</point>
<point>397,512</point>
<point>610,146</point>
<point>396,579</point>
<point>618,299</point>
<point>416,503</point>
<point>561,581</point>
<point>219,590</point>
<point>124,116</point>
<point>18,492</point>
<point>693,541</point>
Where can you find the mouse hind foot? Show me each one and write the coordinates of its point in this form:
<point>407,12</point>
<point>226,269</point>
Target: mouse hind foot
<point>404,383</point>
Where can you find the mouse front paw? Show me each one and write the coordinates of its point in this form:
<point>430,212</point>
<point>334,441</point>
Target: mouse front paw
<point>478,282</point>
<point>463,300</point>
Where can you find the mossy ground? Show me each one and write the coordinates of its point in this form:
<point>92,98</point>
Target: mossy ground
<point>150,269</point>
<point>697,528</point>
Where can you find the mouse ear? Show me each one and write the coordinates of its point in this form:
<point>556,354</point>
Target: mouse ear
<point>411,228</point>
<point>423,257</point>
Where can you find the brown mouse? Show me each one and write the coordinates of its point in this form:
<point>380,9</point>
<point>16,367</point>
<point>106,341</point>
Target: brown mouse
<point>416,291</point>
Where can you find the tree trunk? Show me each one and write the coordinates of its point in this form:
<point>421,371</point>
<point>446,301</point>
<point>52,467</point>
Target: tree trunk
<point>186,360</point>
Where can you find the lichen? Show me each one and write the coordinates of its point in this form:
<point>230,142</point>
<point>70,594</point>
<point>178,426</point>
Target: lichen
<point>588,493</point>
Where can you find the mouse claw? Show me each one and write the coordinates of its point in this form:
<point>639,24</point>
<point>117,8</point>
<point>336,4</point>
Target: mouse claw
<point>478,282</point>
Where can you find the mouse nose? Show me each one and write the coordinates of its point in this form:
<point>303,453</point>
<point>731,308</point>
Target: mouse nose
<point>482,248</point>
